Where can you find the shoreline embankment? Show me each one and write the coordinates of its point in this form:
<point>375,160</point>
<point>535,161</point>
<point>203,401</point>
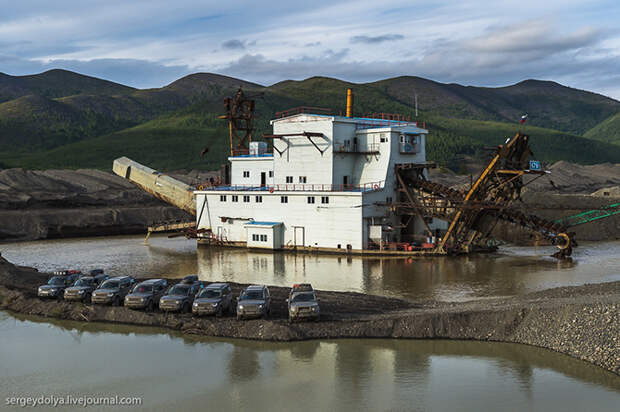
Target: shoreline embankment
<point>582,322</point>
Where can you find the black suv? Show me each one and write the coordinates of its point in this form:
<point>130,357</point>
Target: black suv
<point>55,287</point>
<point>181,296</point>
<point>82,289</point>
<point>146,294</point>
<point>216,299</point>
<point>113,290</point>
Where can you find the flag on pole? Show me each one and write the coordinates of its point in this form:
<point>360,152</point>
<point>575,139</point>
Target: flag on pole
<point>523,118</point>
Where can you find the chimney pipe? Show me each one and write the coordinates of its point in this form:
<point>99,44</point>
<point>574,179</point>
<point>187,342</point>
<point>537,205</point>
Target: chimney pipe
<point>349,103</point>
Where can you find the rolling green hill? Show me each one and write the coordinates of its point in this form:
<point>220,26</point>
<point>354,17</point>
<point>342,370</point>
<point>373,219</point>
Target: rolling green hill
<point>607,131</point>
<point>56,83</point>
<point>166,128</point>
<point>548,104</point>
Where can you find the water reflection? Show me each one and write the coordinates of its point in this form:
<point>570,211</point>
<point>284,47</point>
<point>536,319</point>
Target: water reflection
<point>516,270</point>
<point>176,371</point>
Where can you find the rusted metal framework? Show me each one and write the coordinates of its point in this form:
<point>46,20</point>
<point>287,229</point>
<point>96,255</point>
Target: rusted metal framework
<point>240,116</point>
<point>473,214</point>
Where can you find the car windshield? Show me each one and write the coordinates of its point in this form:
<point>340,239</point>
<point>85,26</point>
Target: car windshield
<point>109,284</point>
<point>56,280</point>
<point>304,297</point>
<point>210,294</point>
<point>84,282</point>
<point>143,289</point>
<point>179,290</point>
<point>252,295</point>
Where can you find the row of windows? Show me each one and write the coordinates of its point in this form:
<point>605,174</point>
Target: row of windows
<point>283,199</point>
<point>246,173</point>
<point>246,199</point>
<point>302,179</point>
<point>259,238</point>
<point>324,199</point>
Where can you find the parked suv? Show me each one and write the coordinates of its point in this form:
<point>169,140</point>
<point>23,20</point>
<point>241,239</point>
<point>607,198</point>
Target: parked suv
<point>82,289</point>
<point>216,299</point>
<point>181,296</point>
<point>146,295</point>
<point>253,302</point>
<point>55,287</point>
<point>113,291</point>
<point>303,303</point>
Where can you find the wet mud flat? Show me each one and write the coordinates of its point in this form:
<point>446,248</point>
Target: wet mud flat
<point>582,322</point>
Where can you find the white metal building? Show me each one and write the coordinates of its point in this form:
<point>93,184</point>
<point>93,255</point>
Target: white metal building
<point>328,184</point>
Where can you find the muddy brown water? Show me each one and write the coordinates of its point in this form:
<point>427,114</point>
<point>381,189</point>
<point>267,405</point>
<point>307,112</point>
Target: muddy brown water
<point>175,372</point>
<point>172,371</point>
<point>515,270</point>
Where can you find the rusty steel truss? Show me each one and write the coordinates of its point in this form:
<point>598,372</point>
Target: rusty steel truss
<point>473,214</point>
<point>240,116</point>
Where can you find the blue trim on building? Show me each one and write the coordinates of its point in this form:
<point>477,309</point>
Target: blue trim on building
<point>254,222</point>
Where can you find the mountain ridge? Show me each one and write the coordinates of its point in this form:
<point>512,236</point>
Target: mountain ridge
<point>462,118</point>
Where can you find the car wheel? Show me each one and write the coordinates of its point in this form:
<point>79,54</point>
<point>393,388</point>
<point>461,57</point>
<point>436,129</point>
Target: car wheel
<point>150,307</point>
<point>186,308</point>
<point>60,296</point>
<point>117,301</point>
<point>219,312</point>
<point>239,317</point>
<point>290,319</point>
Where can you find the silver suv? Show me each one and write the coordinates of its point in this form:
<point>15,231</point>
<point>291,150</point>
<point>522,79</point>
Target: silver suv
<point>254,302</point>
<point>216,299</point>
<point>146,294</point>
<point>303,303</point>
<point>113,291</point>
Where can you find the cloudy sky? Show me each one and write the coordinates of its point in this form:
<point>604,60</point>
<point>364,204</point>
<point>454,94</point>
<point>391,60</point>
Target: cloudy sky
<point>151,43</point>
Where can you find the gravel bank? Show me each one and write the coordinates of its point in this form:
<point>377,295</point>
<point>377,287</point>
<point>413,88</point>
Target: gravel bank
<point>37,204</point>
<point>582,322</point>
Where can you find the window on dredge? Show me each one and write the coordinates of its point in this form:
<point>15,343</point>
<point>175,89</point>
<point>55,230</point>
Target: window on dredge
<point>235,198</point>
<point>246,173</point>
<point>246,199</point>
<point>222,198</point>
<point>259,199</point>
<point>283,199</point>
<point>303,179</point>
<point>311,199</point>
<point>324,200</point>
<point>289,179</point>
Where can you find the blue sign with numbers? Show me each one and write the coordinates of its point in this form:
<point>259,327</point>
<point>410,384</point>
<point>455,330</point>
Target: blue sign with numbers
<point>535,165</point>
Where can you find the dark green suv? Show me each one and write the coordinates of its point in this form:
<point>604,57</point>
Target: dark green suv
<point>215,299</point>
<point>113,291</point>
<point>180,297</point>
<point>82,289</point>
<point>146,294</point>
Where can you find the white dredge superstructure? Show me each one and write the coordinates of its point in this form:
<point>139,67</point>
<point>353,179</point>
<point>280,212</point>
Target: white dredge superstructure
<point>327,185</point>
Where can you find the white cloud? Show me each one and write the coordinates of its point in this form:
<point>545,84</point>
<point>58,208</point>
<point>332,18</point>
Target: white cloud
<point>475,41</point>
